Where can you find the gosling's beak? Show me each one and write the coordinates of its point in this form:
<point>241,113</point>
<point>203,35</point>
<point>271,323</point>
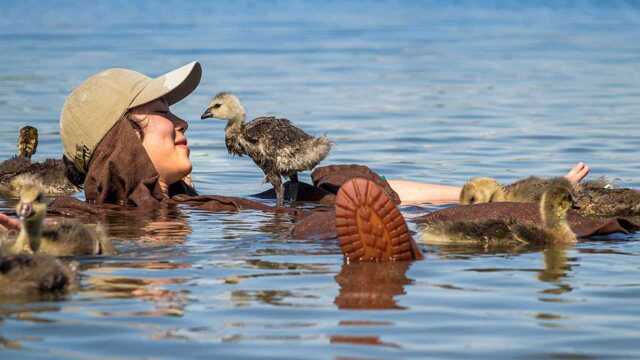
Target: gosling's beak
<point>575,206</point>
<point>24,210</point>
<point>206,114</point>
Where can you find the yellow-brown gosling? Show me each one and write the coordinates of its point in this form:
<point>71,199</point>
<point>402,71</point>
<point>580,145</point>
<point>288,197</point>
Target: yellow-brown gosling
<point>52,172</point>
<point>66,238</point>
<point>27,142</point>
<point>596,198</point>
<point>480,190</point>
<point>554,205</point>
<point>277,146</point>
<point>484,190</point>
<point>27,276</point>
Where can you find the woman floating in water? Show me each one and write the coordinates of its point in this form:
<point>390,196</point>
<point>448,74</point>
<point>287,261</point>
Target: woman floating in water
<point>131,150</point>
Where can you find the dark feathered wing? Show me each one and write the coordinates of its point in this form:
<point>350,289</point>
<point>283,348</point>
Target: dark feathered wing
<point>608,202</point>
<point>277,132</point>
<point>529,189</point>
<point>288,148</point>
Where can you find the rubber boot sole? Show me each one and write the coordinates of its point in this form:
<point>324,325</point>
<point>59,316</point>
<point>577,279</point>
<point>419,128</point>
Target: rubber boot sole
<point>369,225</point>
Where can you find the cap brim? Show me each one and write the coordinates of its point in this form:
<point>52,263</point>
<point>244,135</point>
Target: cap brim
<point>172,86</point>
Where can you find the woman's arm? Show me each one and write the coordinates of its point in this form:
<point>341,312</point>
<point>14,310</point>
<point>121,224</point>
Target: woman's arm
<point>413,192</point>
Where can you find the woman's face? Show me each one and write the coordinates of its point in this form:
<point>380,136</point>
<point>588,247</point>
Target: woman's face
<point>164,139</point>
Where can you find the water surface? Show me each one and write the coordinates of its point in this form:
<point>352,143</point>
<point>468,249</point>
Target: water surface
<point>429,91</point>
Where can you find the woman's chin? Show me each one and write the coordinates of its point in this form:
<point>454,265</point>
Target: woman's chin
<point>179,171</point>
<point>185,170</point>
<point>183,149</point>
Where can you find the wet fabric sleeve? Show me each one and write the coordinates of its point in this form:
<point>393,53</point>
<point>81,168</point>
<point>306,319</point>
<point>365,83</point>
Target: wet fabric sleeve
<point>216,203</point>
<point>331,177</point>
<point>306,192</point>
<point>327,181</point>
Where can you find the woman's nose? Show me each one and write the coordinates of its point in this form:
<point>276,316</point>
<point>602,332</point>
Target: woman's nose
<point>180,124</point>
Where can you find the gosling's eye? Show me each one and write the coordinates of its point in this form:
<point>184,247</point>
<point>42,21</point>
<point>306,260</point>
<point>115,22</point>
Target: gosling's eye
<point>216,106</point>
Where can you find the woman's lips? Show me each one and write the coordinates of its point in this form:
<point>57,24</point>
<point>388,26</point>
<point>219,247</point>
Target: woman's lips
<point>182,142</point>
<point>183,145</point>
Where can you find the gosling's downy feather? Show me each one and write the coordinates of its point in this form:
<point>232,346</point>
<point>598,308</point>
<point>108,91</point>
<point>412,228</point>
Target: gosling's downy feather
<point>67,238</point>
<point>554,205</point>
<point>480,190</point>
<point>603,202</point>
<point>73,238</point>
<point>27,142</point>
<point>529,189</point>
<point>25,276</point>
<point>493,232</point>
<point>290,148</point>
<point>484,190</point>
<point>52,172</point>
<point>277,146</point>
<point>595,198</point>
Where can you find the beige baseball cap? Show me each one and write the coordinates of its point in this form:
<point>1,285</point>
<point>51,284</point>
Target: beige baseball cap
<point>96,105</point>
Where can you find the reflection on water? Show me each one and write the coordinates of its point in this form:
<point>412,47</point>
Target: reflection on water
<point>371,285</point>
<point>361,340</point>
<point>556,264</point>
<point>166,302</point>
<point>165,226</point>
<point>489,248</point>
<point>427,91</point>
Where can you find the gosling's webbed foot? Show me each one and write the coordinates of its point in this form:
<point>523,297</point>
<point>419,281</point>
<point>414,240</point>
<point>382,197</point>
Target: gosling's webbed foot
<point>293,188</point>
<point>293,192</point>
<point>280,195</point>
<point>278,188</point>
<point>279,202</point>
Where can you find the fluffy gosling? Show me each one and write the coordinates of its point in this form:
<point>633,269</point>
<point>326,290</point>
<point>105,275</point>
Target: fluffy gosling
<point>555,202</point>
<point>67,238</point>
<point>277,146</point>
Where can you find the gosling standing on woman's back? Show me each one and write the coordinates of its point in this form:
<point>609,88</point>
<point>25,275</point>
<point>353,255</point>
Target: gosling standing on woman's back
<point>277,146</point>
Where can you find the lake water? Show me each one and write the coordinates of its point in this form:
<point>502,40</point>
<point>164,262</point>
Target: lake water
<point>429,91</point>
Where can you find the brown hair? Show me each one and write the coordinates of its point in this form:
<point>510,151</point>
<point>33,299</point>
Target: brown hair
<point>75,176</point>
<point>136,124</point>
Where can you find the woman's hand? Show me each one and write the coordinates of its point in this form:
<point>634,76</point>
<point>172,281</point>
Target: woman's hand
<point>9,223</point>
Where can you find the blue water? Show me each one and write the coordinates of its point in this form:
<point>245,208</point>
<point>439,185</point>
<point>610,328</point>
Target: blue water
<point>428,91</point>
